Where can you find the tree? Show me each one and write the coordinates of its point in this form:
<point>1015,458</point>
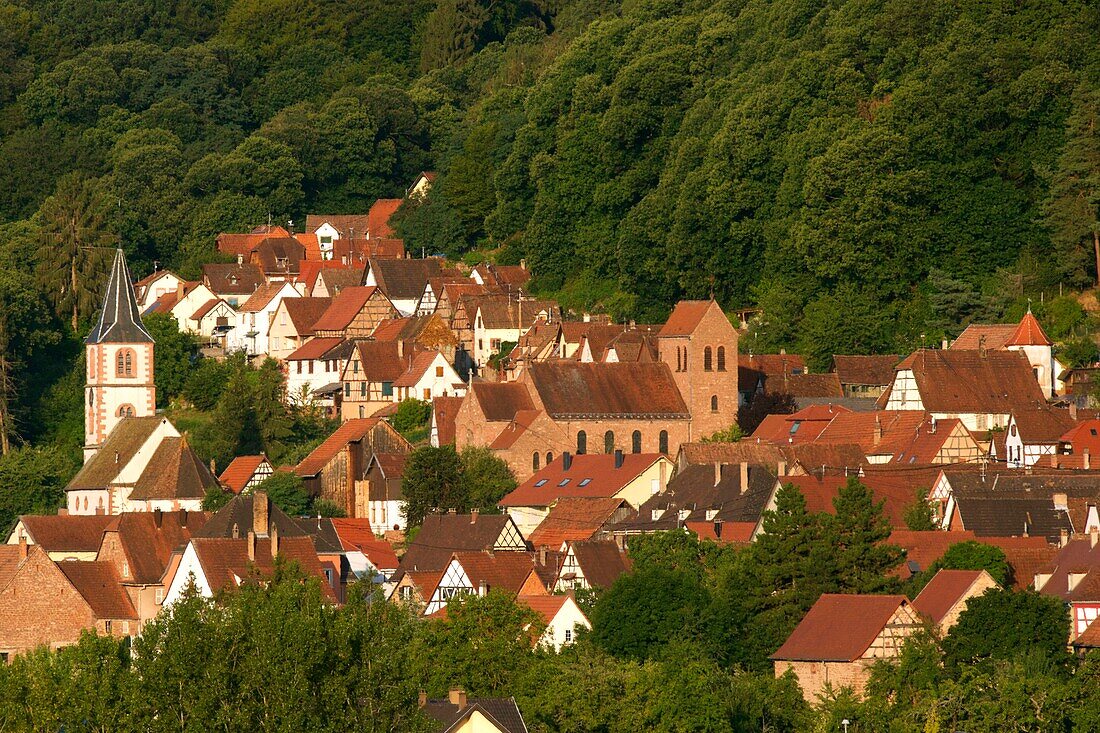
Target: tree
<point>732,434</point>
<point>269,404</point>
<point>206,383</point>
<point>176,353</point>
<point>215,498</point>
<point>1001,624</point>
<point>486,478</point>
<point>287,491</point>
<point>34,480</point>
<point>74,254</point>
<point>858,533</point>
<point>411,414</point>
<point>432,480</point>
<point>971,555</point>
<point>920,516</point>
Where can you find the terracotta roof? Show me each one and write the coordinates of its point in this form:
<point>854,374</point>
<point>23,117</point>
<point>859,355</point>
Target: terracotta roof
<point>240,471</point>
<point>799,427</point>
<point>441,535</point>
<point>1043,425</point>
<point>601,561</point>
<point>99,585</point>
<point>807,385</point>
<point>872,371</point>
<point>378,218</point>
<point>1090,638</point>
<point>304,312</point>
<point>1028,333</point>
<point>1084,435</point>
<point>505,311</point>
<point>685,317</point>
<point>1079,557</point>
<point>945,590</point>
<point>66,533</point>
<point>11,558</point>
<point>1025,555</point>
<point>570,389</point>
<point>119,449</point>
<point>996,336</point>
<point>743,451</point>
<point>574,518</point>
<point>350,431</point>
<point>504,277</point>
<point>839,628</point>
<point>772,365</point>
<point>315,348</point>
<point>588,476</point>
<point>404,279</point>
<point>206,308</point>
<point>356,534</point>
<point>344,308</point>
<point>345,224</point>
<point>837,456</point>
<point>232,279</point>
<point>501,400</point>
<point>239,512</point>
<point>381,361</point>
<point>967,382</point>
<point>521,422</point>
<point>733,533</point>
<point>279,255</point>
<point>173,472</point>
<point>896,431</point>
<point>150,538</point>
<point>898,493</point>
<point>358,251</point>
<point>152,277</point>
<point>263,295</point>
<point>444,410</point>
<point>225,561</point>
<point>420,364</point>
<point>163,304</point>
<point>243,244</point>
<point>548,607</point>
<point>502,712</point>
<point>500,570</point>
<point>1024,561</point>
<point>634,345</point>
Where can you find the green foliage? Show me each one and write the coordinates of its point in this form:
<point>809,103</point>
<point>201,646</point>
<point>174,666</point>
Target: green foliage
<point>732,434</point>
<point>287,491</point>
<point>440,478</point>
<point>486,478</point>
<point>972,555</point>
<point>205,383</point>
<point>411,414</point>
<point>920,516</point>
<point>175,352</point>
<point>215,498</point>
<point>1001,624</point>
<point>33,481</point>
<point>326,508</point>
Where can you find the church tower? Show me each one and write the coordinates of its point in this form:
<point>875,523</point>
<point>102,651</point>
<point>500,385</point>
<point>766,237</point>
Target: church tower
<point>119,352</point>
<point>1030,338</point>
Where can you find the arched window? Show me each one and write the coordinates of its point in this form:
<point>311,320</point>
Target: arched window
<point>124,363</point>
<point>549,458</point>
<point>609,442</point>
<point>535,461</point>
<point>126,411</point>
<point>721,358</point>
<point>582,443</point>
<point>714,403</point>
<point>636,441</point>
<point>708,359</point>
<point>662,442</point>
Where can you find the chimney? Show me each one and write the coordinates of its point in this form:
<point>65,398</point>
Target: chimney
<point>473,516</point>
<point>240,259</point>
<point>944,344</point>
<point>259,512</point>
<point>878,431</point>
<point>981,346</point>
<point>1073,411</point>
<point>1054,460</point>
<point>183,517</point>
<point>274,542</point>
<point>158,517</point>
<point>1063,537</point>
<point>482,588</point>
<point>251,546</point>
<point>422,699</point>
<point>23,546</point>
<point>542,555</point>
<point>457,696</point>
<point>744,477</point>
<point>400,349</point>
<point>618,458</point>
<point>1085,458</point>
<point>566,460</point>
<point>781,468</point>
<point>717,473</point>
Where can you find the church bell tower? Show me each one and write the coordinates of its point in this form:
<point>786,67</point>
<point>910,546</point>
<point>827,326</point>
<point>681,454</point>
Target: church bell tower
<point>119,372</point>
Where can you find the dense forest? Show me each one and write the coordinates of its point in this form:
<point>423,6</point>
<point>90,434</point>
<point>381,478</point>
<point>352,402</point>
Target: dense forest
<point>874,174</point>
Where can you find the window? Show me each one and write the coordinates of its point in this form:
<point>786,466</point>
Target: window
<point>549,458</point>
<point>494,344</point>
<point>310,366</point>
<point>636,441</point>
<point>662,442</point>
<point>427,394</point>
<point>708,359</point>
<point>439,371</point>
<point>347,389</point>
<point>362,411</point>
<point>362,389</point>
<point>563,482</point>
<point>678,362</point>
<point>107,626</point>
<point>609,442</point>
<point>406,592</point>
<point>125,568</point>
<point>721,358</point>
<point>387,389</point>
<point>299,366</point>
<point>355,367</point>
<point>126,411</point>
<point>714,403</point>
<point>124,363</point>
<point>91,399</point>
<point>569,636</point>
<point>535,461</point>
<point>584,482</point>
<point>540,482</point>
<point>582,443</point>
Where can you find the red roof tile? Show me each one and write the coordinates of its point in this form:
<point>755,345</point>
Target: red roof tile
<point>636,390</point>
<point>444,410</point>
<point>685,317</point>
<point>260,299</point>
<point>944,590</point>
<point>344,308</point>
<point>990,335</point>
<point>99,585</point>
<point>588,476</point>
<point>356,534</point>
<point>865,370</point>
<point>71,533</point>
<point>501,570</point>
<point>315,348</point>
<point>839,628</point>
<point>378,218</point>
<point>240,471</point>
<point>225,561</point>
<point>304,312</point>
<point>1028,333</point>
<point>352,430</point>
<point>547,606</point>
<point>501,400</point>
<point>574,518</point>
<point>968,382</point>
<point>421,362</point>
<point>520,424</point>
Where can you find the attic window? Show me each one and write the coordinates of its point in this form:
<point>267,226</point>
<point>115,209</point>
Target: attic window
<point>563,482</point>
<point>1092,431</point>
<point>540,482</point>
<point>585,482</point>
<point>795,426</point>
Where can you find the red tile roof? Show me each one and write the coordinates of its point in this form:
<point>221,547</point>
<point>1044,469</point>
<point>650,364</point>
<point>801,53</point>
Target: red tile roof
<point>352,430</point>
<point>356,534</point>
<point>944,591</point>
<point>596,472</point>
<point>897,489</point>
<point>315,348</point>
<point>1084,435</point>
<point>380,361</point>
<point>304,312</point>
<point>99,585</point>
<point>225,561</point>
<point>150,538</point>
<point>547,606</point>
<point>1043,425</point>
<point>631,391</point>
<point>501,570</point>
<point>344,308</point>
<point>263,295</point>
<point>839,628</point>
<point>996,335</point>
<point>174,472</point>
<point>501,400</point>
<point>1028,333</point>
<point>520,424</point>
<point>685,317</point>
<point>574,518</point>
<point>968,382</point>
<point>240,471</point>
<point>735,533</point>
<point>444,410</point>
<point>206,308</point>
<point>865,370</point>
<point>601,561</point>
<point>420,364</point>
<point>72,533</point>
<point>378,218</point>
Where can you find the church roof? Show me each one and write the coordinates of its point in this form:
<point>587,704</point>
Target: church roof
<point>120,320</point>
<point>1028,333</point>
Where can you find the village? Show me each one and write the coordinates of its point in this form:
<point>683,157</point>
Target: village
<point>612,432</point>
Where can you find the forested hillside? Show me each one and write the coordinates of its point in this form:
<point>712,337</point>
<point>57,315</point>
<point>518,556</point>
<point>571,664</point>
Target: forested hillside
<point>873,173</point>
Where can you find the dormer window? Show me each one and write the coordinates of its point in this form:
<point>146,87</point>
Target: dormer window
<point>656,514</point>
<point>281,262</point>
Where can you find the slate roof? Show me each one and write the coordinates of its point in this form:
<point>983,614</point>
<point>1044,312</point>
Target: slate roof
<point>574,518</point>
<point>66,533</point>
<point>591,475</point>
<point>441,535</point>
<point>501,400</point>
<point>304,312</point>
<point>404,279</point>
<point>174,472</point>
<point>502,712</point>
<point>685,318</point>
<point>99,585</point>
<point>839,628</point>
<point>570,389</point>
<point>968,382</point>
<point>943,591</point>
<point>120,318</point>
<point>240,471</point>
<point>872,371</point>
<point>124,440</point>
<point>444,410</point>
<point>350,431</point>
<point>343,309</point>
<point>220,278</point>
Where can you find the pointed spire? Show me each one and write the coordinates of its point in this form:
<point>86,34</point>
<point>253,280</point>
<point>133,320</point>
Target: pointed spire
<point>1029,332</point>
<point>120,319</point>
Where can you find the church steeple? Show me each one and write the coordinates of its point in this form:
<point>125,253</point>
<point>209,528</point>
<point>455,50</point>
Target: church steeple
<point>120,320</point>
<point>119,354</point>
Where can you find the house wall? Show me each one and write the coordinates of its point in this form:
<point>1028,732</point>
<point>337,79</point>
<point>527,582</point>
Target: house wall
<point>282,335</point>
<point>182,311</point>
<point>569,618</point>
<point>209,322</point>
<point>40,607</point>
<point>904,394</point>
<point>813,677</point>
<point>310,374</point>
<point>188,567</point>
<point>981,585</point>
<point>1084,614</point>
<point>166,283</point>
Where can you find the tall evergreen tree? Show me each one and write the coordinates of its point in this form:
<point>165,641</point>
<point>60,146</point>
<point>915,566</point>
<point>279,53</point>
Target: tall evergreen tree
<point>857,535</point>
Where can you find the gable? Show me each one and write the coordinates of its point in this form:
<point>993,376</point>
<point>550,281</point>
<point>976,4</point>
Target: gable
<point>509,538</point>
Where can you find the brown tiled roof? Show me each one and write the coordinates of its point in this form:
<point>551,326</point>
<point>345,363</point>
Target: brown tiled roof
<point>219,278</point>
<point>996,336</point>
<point>634,346</point>
<point>378,218</point>
<point>304,312</point>
<point>502,712</point>
<point>498,570</point>
<point>344,308</point>
<point>1042,425</point>
<point>118,450</point>
<point>345,224</point>
<point>1078,557</point>
<point>520,424</point>
<point>685,317</point>
<point>601,561</point>
<point>240,471</point>
<point>772,365</point>
<point>350,431</point>
<point>570,389</point>
<point>381,361</point>
<point>545,606</point>
<point>444,410</point>
<point>206,308</point>
<point>506,311</point>
<point>243,244</point>
<point>150,538</point>
<point>421,362</point>
<point>807,385</point>
<point>837,456</point>
<point>872,371</point>
<point>404,279</point>
<point>239,512</point>
<point>260,299</point>
<point>163,304</point>
<point>1024,561</point>
<point>99,585</point>
<point>359,251</point>
<point>1028,333</point>
<point>173,472</point>
<point>574,518</point>
<point>799,427</point>
<point>441,535</point>
<point>501,400</point>
<point>71,533</point>
<point>336,281</point>
<point>839,628</point>
<point>273,251</point>
<point>225,560</point>
<point>968,382</point>
<point>898,493</point>
<point>744,451</point>
<point>11,557</point>
<point>944,590</point>
<point>315,348</point>
<point>1090,638</point>
<point>588,476</point>
<point>504,277</point>
<point>598,336</point>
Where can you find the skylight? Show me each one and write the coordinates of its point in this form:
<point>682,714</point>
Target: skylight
<point>564,481</point>
<point>585,482</point>
<point>540,482</point>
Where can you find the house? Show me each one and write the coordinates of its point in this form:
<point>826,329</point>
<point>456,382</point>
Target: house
<point>1074,576</point>
<point>213,319</point>
<point>904,437</point>
<point>561,617</point>
<point>1026,337</point>
<point>370,558</point>
<point>244,473</point>
<point>433,289</point>
<point>62,536</point>
<point>385,500</point>
<point>151,287</point>
<point>330,282</point>
<point>255,315</point>
<point>865,377</point>
<point>354,313</point>
<point>944,598</point>
<point>427,332</point>
<point>378,218</point>
<point>802,426</point>
<point>420,185</point>
<point>503,278</point>
<point>188,299</point>
<point>444,411</point>
<point>632,477</point>
<point>330,228</point>
<point>234,283</point>
<point>590,564</point>
<point>981,388</point>
<point>292,324</point>
<point>479,572</point>
<point>841,637</point>
<point>457,714</point>
<point>336,469</point>
<point>1033,434</point>
<point>402,280</point>
<point>429,375</point>
<point>578,518</point>
<point>240,245</point>
<point>174,479</point>
<point>503,319</point>
<point>755,370</point>
<point>47,603</point>
<point>1083,439</point>
<point>279,258</point>
<point>369,376</point>
<point>450,307</point>
<point>313,372</point>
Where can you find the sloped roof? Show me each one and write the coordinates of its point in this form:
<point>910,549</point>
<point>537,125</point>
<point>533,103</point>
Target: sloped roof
<point>378,218</point>
<point>207,307</point>
<point>570,389</point>
<point>588,476</point>
<point>343,309</point>
<point>501,400</point>
<point>505,311</point>
<point>120,319</point>
<point>304,312</point>
<point>225,560</point>
<point>262,296</point>
<point>99,585</point>
<point>315,348</point>
<point>66,533</point>
<point>968,382</point>
<point>1077,557</point>
<point>503,570</point>
<point>944,591</point>
<point>547,607</point>
<point>381,361</point>
<point>874,371</point>
<point>996,335</point>
<point>898,493</point>
<point>771,365</point>
<point>685,317</point>
<point>239,512</point>
<point>501,711</point>
<point>1028,333</point>
<point>119,449</point>
<point>839,628</point>
<point>574,518</point>
<point>441,535</point>
<point>231,278</point>
<point>243,244</point>
<point>273,251</point>
<point>345,224</point>
<point>173,472</point>
<point>358,251</point>
<point>338,280</point>
<point>11,558</point>
<point>350,431</point>
<point>1042,425</point>
<point>404,279</point>
<point>150,538</point>
<point>520,424</point>
<point>444,411</point>
<point>420,364</point>
<point>601,561</point>
<point>356,534</point>
<point>240,471</point>
<point>807,385</point>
